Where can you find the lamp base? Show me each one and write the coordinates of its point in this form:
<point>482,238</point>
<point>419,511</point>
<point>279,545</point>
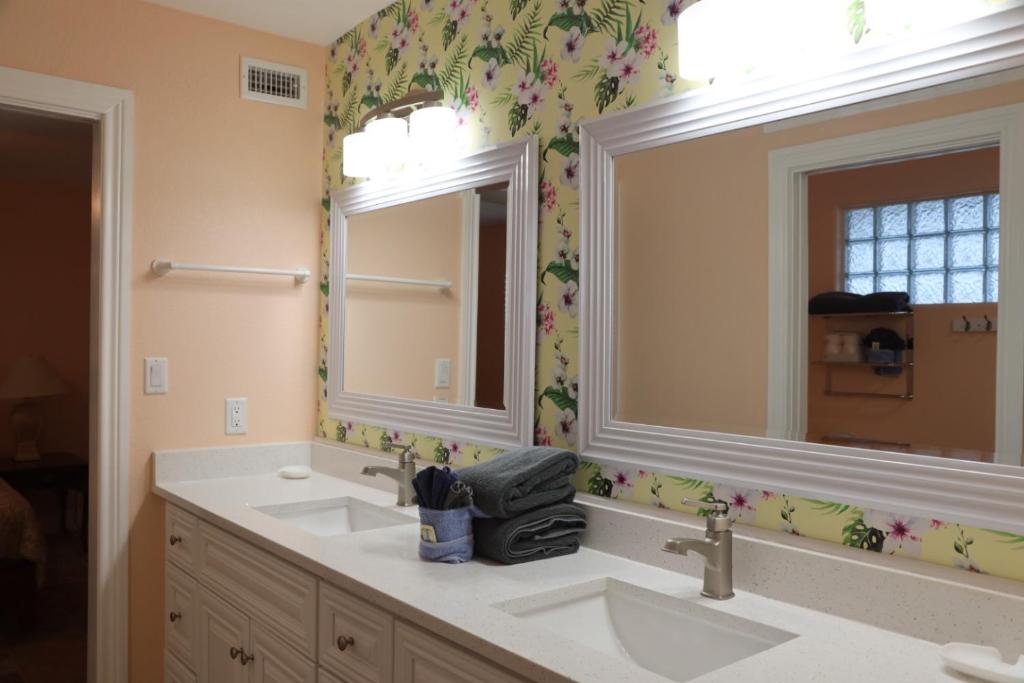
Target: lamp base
<point>27,422</point>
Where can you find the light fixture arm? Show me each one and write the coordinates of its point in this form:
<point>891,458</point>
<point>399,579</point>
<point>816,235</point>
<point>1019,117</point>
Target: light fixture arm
<point>403,106</point>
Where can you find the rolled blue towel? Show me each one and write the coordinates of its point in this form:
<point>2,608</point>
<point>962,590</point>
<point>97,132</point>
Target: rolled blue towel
<point>535,535</point>
<point>522,480</point>
<point>447,535</point>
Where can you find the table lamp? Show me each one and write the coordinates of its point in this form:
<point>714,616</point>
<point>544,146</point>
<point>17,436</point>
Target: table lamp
<point>29,379</point>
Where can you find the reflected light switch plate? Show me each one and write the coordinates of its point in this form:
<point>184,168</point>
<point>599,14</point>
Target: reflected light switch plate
<point>156,379</point>
<point>442,373</point>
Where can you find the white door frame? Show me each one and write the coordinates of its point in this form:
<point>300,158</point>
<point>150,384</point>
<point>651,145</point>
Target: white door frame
<point>112,110</point>
<point>788,260</point>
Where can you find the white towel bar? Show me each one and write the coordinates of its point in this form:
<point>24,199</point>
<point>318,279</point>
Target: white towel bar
<point>164,266</point>
<point>440,284</point>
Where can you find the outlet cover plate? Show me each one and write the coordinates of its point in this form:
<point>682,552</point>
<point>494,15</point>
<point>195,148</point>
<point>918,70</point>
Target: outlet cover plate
<point>236,415</point>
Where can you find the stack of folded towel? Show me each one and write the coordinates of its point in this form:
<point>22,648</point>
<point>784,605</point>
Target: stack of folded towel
<point>527,495</point>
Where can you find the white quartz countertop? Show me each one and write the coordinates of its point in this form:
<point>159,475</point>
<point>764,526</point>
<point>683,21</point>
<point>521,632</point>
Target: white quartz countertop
<point>457,601</point>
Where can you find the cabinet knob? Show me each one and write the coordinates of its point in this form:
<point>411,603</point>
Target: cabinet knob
<point>344,642</point>
<point>246,658</point>
<point>175,616</point>
<point>175,540</point>
<point>235,652</point>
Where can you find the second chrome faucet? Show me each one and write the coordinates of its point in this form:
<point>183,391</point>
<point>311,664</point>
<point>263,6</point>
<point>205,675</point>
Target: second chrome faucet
<point>715,548</point>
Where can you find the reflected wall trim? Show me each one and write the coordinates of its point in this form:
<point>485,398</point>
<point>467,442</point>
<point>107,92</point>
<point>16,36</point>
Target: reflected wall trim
<point>514,163</point>
<point>986,495</point>
<point>788,271</point>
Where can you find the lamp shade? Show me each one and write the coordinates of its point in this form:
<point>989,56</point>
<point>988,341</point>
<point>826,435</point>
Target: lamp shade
<point>32,377</point>
<point>432,135</point>
<point>357,155</point>
<point>389,143</point>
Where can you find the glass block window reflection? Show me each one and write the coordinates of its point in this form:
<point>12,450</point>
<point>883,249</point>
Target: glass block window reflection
<point>941,251</point>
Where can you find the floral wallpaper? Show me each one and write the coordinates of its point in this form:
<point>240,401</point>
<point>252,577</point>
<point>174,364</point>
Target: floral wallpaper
<point>537,67</point>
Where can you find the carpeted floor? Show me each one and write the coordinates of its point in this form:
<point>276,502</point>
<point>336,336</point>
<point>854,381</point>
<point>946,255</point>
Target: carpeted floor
<point>55,650</point>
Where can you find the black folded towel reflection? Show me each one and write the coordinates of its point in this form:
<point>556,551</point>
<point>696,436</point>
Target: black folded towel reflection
<point>847,302</point>
<point>536,535</point>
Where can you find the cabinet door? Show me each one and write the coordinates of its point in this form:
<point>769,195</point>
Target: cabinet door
<point>180,598</point>
<point>276,662</point>
<point>223,636</point>
<point>424,658</point>
<point>355,638</point>
<point>175,671</point>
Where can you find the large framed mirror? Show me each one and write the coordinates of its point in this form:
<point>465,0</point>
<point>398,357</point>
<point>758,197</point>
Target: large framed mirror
<point>432,288</point>
<point>817,286</point>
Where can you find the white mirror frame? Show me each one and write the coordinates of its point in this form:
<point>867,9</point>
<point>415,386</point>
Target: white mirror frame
<point>514,163</point>
<point>985,495</point>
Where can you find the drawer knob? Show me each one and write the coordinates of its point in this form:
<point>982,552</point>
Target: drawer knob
<point>344,642</point>
<point>175,540</point>
<point>175,616</point>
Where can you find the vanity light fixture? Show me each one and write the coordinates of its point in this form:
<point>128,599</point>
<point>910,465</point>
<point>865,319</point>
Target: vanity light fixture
<point>415,131</point>
<point>721,40</point>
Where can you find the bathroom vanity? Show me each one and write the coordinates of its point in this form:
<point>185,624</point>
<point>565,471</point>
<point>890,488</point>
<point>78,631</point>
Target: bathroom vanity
<point>272,579</point>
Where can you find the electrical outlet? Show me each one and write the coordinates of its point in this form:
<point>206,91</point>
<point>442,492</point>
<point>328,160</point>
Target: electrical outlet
<point>236,415</point>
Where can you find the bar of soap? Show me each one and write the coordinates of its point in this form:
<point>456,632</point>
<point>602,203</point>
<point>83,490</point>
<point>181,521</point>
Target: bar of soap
<point>294,472</point>
<point>982,662</point>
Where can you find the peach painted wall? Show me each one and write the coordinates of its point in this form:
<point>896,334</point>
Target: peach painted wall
<point>44,297</point>
<point>216,179</point>
<point>393,333</point>
<point>693,265</point>
<point>954,374</point>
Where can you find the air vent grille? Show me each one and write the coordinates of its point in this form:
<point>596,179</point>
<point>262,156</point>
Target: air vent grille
<point>273,83</point>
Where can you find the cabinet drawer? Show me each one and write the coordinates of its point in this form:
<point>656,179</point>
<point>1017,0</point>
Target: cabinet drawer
<point>279,596</point>
<point>180,541</point>
<point>180,612</point>
<point>175,671</point>
<point>356,638</point>
<point>276,662</point>
<point>424,658</point>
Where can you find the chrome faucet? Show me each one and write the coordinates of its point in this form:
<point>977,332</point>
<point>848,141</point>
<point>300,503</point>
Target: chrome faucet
<point>403,474</point>
<point>715,547</point>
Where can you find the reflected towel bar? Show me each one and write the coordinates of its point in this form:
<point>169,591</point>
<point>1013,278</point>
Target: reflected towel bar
<point>440,284</point>
<point>164,266</point>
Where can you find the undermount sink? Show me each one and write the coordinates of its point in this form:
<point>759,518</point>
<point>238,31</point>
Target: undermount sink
<point>672,637</point>
<point>335,516</point>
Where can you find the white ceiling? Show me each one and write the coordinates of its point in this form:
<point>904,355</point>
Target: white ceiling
<point>314,21</point>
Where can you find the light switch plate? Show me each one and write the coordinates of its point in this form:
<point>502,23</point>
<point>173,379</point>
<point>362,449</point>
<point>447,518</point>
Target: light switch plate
<point>236,415</point>
<point>442,373</point>
<point>155,376</point>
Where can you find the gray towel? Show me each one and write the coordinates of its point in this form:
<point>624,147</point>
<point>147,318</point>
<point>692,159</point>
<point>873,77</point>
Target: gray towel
<point>522,480</point>
<point>535,535</point>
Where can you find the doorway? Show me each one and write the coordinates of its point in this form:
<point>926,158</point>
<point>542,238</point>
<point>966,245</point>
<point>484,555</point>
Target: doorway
<point>109,112</point>
<point>45,282</point>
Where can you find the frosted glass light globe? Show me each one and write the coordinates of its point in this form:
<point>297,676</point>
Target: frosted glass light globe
<point>432,136</point>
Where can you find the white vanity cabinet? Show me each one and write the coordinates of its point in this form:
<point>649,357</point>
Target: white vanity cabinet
<point>235,613</point>
<point>238,614</point>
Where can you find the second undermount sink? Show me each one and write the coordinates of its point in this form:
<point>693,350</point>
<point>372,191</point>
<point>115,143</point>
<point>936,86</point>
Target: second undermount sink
<point>673,637</point>
<point>335,516</point>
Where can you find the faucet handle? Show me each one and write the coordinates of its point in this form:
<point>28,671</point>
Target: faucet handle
<point>718,520</point>
<point>406,455</point>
